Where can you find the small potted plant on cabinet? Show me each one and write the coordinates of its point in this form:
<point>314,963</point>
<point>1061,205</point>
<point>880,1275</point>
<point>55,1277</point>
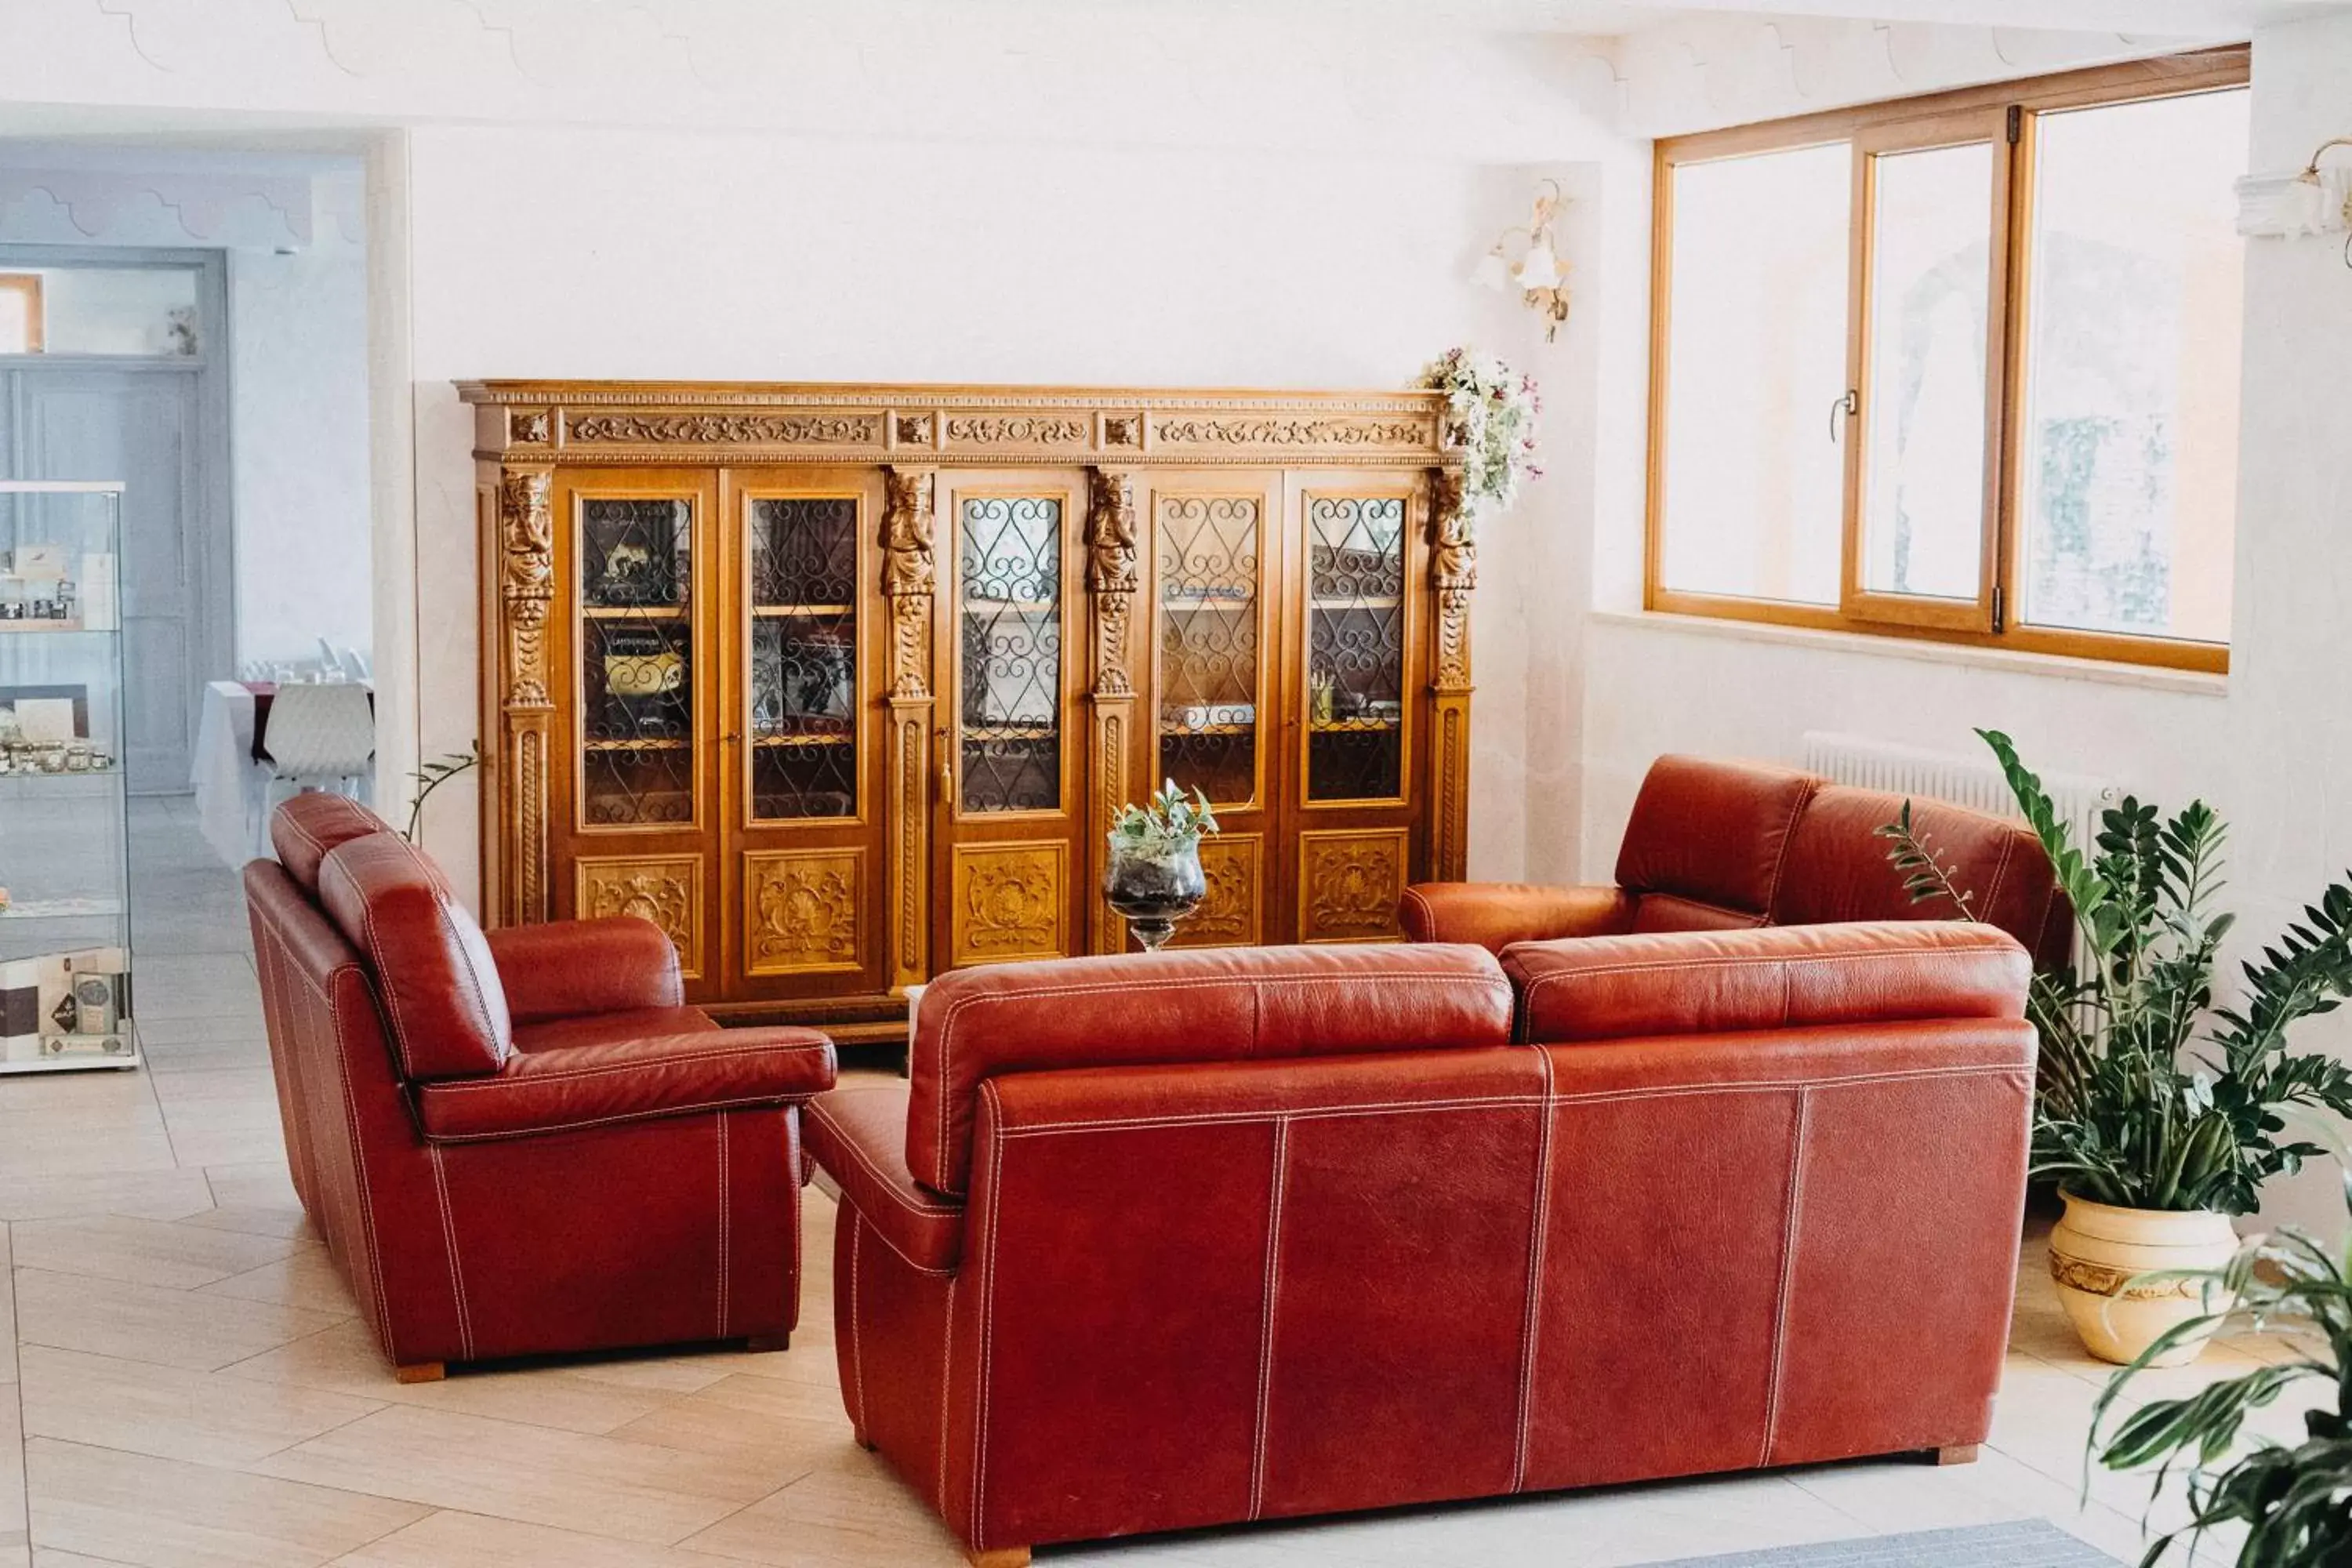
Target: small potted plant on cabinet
<point>2159,1112</point>
<point>1154,877</point>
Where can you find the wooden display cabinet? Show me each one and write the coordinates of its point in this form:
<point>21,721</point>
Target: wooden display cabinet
<point>843,685</point>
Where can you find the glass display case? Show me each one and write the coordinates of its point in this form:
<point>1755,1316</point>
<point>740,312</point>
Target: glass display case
<point>64,888</point>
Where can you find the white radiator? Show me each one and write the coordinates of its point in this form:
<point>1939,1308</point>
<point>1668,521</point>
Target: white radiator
<point>1973,782</point>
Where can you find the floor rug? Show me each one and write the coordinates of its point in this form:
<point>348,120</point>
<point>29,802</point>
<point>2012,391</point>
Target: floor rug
<point>2021,1544</point>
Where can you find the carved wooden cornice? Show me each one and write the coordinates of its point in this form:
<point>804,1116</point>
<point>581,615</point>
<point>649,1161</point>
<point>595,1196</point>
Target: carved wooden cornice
<point>568,422</point>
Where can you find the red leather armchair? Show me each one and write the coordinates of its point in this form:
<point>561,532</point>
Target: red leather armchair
<point>522,1142</point>
<point>1728,846</point>
<point>1149,1242</point>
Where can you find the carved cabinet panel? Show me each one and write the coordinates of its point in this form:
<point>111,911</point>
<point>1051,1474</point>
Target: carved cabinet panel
<point>666,891</point>
<point>842,686</point>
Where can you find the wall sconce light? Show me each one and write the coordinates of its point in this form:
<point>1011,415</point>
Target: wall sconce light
<point>2287,206</point>
<point>1538,274</point>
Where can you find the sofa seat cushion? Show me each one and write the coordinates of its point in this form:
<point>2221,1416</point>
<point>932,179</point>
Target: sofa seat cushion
<point>431,963</point>
<point>564,1088</point>
<point>859,1136</point>
<point>602,1028</point>
<point>1779,977</point>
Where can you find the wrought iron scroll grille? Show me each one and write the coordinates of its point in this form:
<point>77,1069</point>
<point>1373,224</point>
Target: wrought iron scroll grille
<point>637,575</point>
<point>804,688</point>
<point>1355,654</point>
<point>1010,746</point>
<point>1208,557</point>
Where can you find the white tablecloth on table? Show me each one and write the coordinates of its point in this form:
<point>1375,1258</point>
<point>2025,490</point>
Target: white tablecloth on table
<point>226,783</point>
<point>231,788</point>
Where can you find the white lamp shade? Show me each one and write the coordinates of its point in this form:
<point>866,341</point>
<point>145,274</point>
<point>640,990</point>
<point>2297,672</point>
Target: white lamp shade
<point>1492,273</point>
<point>1539,268</point>
<point>2283,206</point>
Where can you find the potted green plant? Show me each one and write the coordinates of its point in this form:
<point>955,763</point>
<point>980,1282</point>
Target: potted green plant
<point>2159,1112</point>
<point>2290,1499</point>
<point>1154,877</point>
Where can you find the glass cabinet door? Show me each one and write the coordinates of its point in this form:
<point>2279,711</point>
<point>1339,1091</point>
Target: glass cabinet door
<point>801,558</point>
<point>1355,646</point>
<point>635,566</point>
<point>1009,630</point>
<point>1206,549</point>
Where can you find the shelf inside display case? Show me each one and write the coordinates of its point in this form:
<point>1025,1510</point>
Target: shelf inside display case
<point>65,913</point>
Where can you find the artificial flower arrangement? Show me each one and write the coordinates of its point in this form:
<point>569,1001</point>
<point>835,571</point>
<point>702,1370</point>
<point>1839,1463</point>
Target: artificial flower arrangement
<point>1494,410</point>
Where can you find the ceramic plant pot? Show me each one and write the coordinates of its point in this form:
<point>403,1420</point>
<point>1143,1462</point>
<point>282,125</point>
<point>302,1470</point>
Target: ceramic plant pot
<point>2097,1249</point>
<point>1154,886</point>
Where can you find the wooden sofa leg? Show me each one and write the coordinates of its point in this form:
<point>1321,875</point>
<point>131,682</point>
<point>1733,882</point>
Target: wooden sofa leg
<point>420,1371</point>
<point>762,1343</point>
<point>997,1557</point>
<point>1958,1454</point>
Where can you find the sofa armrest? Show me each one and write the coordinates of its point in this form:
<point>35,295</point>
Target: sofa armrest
<point>1493,915</point>
<point>566,968</point>
<point>1776,977</point>
<point>569,1087</point>
<point>859,1136</point>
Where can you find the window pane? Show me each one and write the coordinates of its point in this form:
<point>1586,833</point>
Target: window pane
<point>1756,356</point>
<point>2130,436</point>
<point>144,310</point>
<point>1922,464</point>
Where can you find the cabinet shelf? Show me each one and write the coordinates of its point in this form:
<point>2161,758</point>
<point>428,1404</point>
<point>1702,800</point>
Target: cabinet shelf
<point>1008,732</point>
<point>1018,606</point>
<point>1168,729</point>
<point>1208,602</point>
<point>1369,602</point>
<point>775,612</point>
<point>780,741</point>
<point>1353,726</point>
<point>52,629</point>
<point>62,910</point>
<point>632,612</point>
<point>679,744</point>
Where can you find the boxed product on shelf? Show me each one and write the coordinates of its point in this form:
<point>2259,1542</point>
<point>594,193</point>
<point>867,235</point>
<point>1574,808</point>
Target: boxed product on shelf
<point>63,1004</point>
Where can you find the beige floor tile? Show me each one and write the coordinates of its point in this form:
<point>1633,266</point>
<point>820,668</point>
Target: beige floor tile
<point>142,1251</point>
<point>142,1322</point>
<point>232,1042</point>
<point>44,1558</point>
<point>167,1032</point>
<point>306,1278</point>
<point>7,1314</point>
<point>788,1428</point>
<point>605,1485</point>
<point>208,1418</point>
<point>13,1522</point>
<point>258,1188</point>
<point>165,1513</point>
<point>145,1194</point>
<point>223,1133</point>
<point>450,1540</point>
<point>346,1359</point>
<point>850,1511</point>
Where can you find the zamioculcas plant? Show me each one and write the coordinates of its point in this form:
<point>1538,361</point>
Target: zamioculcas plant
<point>2295,1500</point>
<point>2151,1096</point>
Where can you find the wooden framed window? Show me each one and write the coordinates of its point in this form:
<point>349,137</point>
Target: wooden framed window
<point>1962,367</point>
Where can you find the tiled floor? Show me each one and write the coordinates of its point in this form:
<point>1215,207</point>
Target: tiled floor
<point>183,1383</point>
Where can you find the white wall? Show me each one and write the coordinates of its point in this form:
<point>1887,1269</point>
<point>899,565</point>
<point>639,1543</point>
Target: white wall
<point>615,254</point>
<point>2269,746</point>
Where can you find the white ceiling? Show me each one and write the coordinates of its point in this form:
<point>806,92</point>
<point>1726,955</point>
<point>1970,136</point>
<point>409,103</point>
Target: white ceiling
<point>2181,18</point>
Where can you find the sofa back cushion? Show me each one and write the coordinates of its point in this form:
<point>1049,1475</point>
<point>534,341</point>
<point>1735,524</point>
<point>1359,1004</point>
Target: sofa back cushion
<point>431,962</point>
<point>1781,977</point>
<point>1706,840</point>
<point>1838,870</point>
<point>1208,1005</point>
<point>303,830</point>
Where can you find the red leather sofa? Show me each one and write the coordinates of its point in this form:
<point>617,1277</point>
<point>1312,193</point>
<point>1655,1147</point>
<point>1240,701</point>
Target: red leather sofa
<point>522,1142</point>
<point>1724,845</point>
<point>1153,1242</point>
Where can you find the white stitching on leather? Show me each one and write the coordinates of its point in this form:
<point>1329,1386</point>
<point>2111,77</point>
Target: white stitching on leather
<point>641,1064</point>
<point>1296,1113</point>
<point>1789,842</point>
<point>947,1383</point>
<point>723,1227</point>
<point>449,1240</point>
<point>650,1114</point>
<point>1729,961</point>
<point>1999,870</point>
<point>987,1324</point>
<point>1270,1295</point>
<point>1429,912</point>
<point>1787,1274</point>
<point>945,1112</point>
<point>1531,1314</point>
<point>359,1151</point>
<point>888,1183</point>
<point>857,1344</point>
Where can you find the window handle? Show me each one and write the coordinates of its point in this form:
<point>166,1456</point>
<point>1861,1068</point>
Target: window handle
<point>1848,404</point>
